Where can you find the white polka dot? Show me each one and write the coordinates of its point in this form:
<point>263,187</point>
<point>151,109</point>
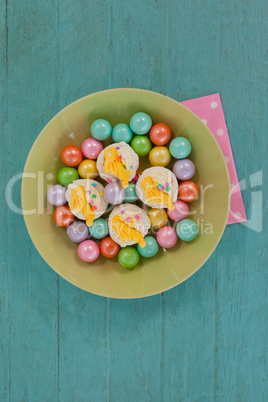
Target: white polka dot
<point>227,159</point>
<point>213,105</point>
<point>237,215</point>
<point>220,131</point>
<point>50,176</point>
<point>204,121</point>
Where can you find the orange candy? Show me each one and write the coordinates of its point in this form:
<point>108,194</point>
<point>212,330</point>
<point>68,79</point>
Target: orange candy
<point>63,216</point>
<point>109,248</point>
<point>188,191</point>
<point>71,155</point>
<point>160,134</point>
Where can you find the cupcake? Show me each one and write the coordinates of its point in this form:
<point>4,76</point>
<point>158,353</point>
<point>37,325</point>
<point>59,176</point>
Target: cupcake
<point>85,199</point>
<point>118,162</point>
<point>128,224</point>
<point>158,188</point>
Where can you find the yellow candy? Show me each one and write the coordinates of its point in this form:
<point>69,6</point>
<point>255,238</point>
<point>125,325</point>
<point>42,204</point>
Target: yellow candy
<point>88,169</point>
<point>159,156</point>
<point>158,217</point>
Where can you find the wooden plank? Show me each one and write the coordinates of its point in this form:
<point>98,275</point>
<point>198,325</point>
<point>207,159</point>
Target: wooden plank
<point>83,332</point>
<point>214,343</point>
<point>4,291</point>
<point>84,348</point>
<point>137,58</point>
<point>82,48</point>
<point>31,284</point>
<point>138,51</point>
<point>202,341</point>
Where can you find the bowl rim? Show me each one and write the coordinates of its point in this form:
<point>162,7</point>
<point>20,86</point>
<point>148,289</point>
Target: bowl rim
<point>25,216</point>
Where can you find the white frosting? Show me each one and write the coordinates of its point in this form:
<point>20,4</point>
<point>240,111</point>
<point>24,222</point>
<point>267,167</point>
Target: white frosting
<point>161,176</point>
<point>94,187</point>
<point>142,224</point>
<point>129,158</point>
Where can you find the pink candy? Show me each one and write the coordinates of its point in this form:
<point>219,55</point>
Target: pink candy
<point>88,251</point>
<point>167,237</point>
<point>180,212</point>
<point>91,148</point>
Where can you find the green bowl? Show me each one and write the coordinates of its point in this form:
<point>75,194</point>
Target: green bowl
<point>106,277</point>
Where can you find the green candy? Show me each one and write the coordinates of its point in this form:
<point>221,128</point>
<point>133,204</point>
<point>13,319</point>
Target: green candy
<point>67,175</point>
<point>130,193</point>
<point>150,249</point>
<point>141,145</point>
<point>128,257</point>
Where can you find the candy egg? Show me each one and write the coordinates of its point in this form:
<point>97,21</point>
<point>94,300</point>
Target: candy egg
<point>184,169</point>
<point>140,123</point>
<point>167,237</point>
<point>160,134</point>
<point>101,129</point>
<point>77,231</point>
<point>150,249</point>
<point>67,175</point>
<point>187,230</point>
<point>158,217</point>
<point>56,195</point>
<point>88,251</point>
<point>130,193</point>
<point>99,229</point>
<point>141,145</point>
<point>91,148</point>
<point>109,248</point>
<point>188,191</point>
<point>128,257</point>
<point>63,216</point>
<point>114,193</point>
<point>122,132</point>
<point>159,156</point>
<point>88,169</point>
<point>71,155</point>
<point>180,211</point>
<point>180,147</point>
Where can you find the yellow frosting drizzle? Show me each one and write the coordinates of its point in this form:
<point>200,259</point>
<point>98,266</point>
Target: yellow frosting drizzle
<point>113,164</point>
<point>125,232</point>
<point>153,193</point>
<point>79,202</point>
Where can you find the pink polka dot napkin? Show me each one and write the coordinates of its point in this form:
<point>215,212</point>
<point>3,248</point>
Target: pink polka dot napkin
<point>209,110</point>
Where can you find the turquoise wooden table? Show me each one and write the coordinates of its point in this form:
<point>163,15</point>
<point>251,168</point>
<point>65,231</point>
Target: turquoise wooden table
<point>205,340</point>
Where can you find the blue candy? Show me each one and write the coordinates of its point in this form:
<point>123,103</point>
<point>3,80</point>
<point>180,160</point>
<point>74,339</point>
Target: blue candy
<point>101,129</point>
<point>180,147</point>
<point>150,249</point>
<point>99,229</point>
<point>140,123</point>
<point>187,230</point>
<point>122,132</point>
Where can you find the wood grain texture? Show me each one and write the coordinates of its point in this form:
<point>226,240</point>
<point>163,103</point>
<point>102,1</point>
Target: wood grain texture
<point>205,340</point>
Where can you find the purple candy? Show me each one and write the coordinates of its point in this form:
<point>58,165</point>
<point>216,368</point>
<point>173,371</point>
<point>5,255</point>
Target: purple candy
<point>114,193</point>
<point>56,195</point>
<point>184,169</point>
<point>77,232</point>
